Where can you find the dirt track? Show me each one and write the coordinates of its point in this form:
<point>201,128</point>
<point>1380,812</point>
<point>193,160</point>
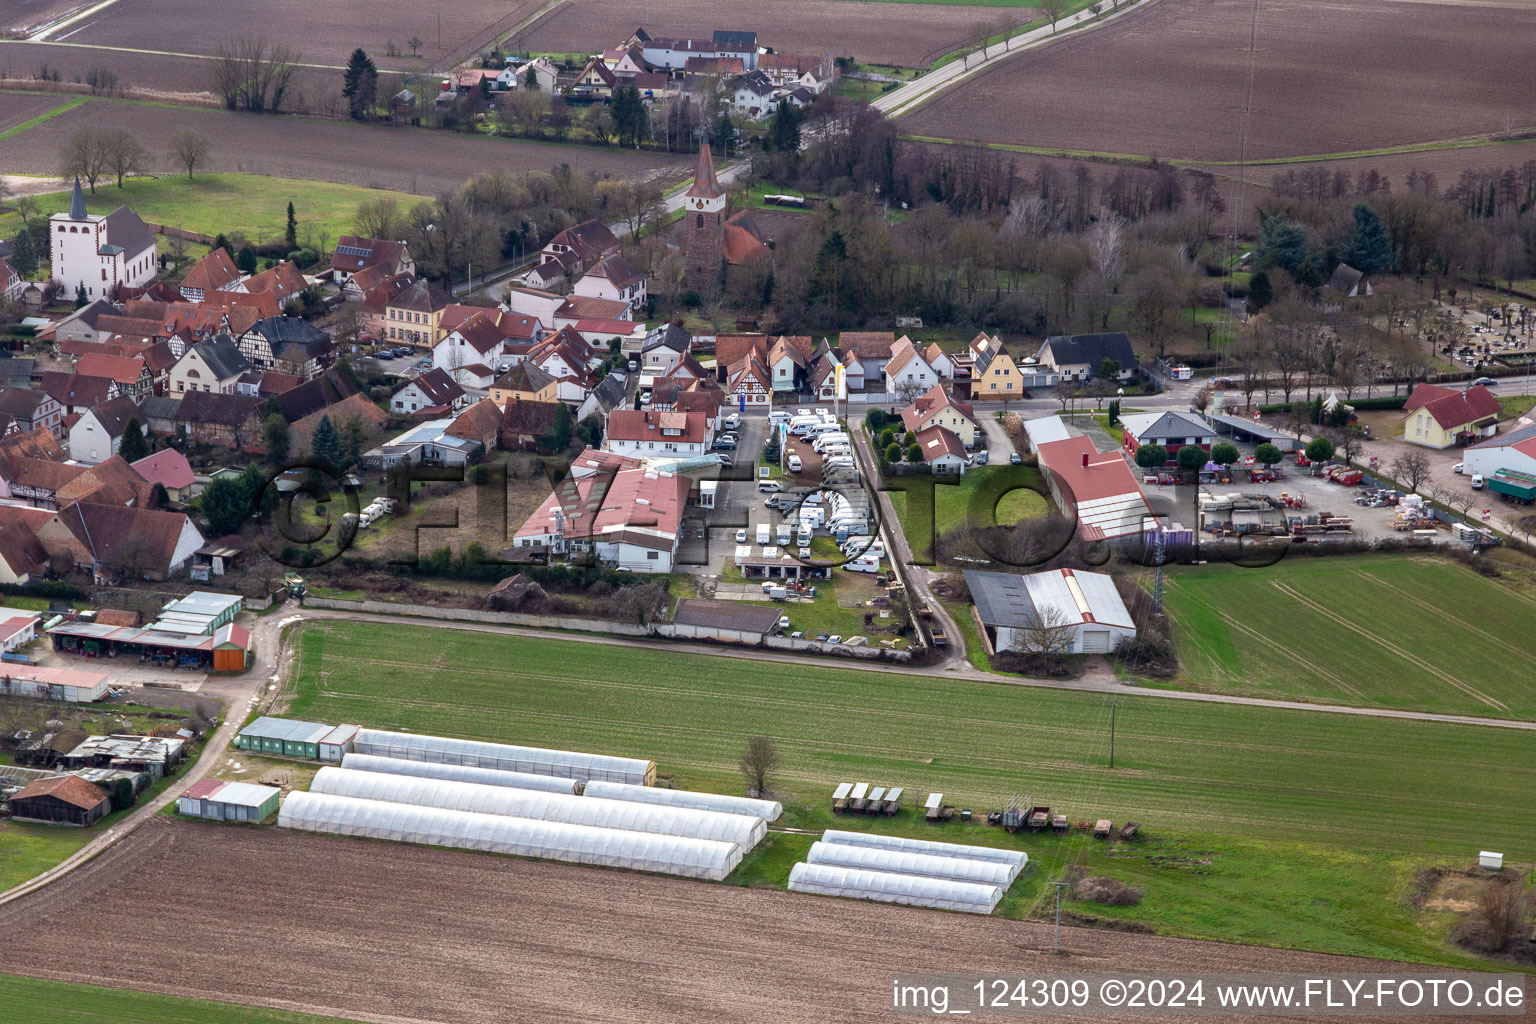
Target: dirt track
<point>380,931</point>
<point>1170,81</point>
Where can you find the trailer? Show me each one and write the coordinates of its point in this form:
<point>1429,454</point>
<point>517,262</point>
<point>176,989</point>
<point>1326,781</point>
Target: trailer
<point>876,800</point>
<point>1037,818</point>
<point>1129,829</point>
<point>1059,824</point>
<point>892,801</point>
<point>858,798</point>
<point>935,809</point>
<point>1101,828</point>
<point>840,797</point>
<point>1513,486</point>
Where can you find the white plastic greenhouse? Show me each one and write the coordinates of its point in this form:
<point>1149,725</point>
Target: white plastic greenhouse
<point>459,773</point>
<point>768,810</point>
<point>1018,858</point>
<point>578,844</point>
<point>567,764</point>
<point>889,887</point>
<point>743,830</point>
<point>874,858</point>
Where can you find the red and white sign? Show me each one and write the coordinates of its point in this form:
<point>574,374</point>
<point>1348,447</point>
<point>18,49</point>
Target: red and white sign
<point>1255,415</point>
<point>1487,514</point>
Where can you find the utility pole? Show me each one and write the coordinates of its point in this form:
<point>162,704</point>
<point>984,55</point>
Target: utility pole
<point>1157,589</point>
<point>1056,939</point>
<point>1114,709</point>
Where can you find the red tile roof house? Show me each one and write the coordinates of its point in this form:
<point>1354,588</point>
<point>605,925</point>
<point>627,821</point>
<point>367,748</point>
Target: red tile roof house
<point>214,272</point>
<point>614,278</point>
<point>134,379</point>
<point>433,392</point>
<point>588,242</point>
<point>115,543</point>
<point>630,518</point>
<point>1437,417</point>
<point>170,469</point>
<point>943,450</point>
<point>354,254</point>
<point>646,434</point>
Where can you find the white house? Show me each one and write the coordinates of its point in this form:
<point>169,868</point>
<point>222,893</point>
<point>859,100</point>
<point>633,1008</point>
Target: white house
<point>434,389</point>
<point>750,386</point>
<point>1018,611</point>
<point>752,96</point>
<point>663,348</point>
<point>536,303</point>
<point>629,516</point>
<point>938,408</point>
<point>787,365</point>
<point>943,364</point>
<point>908,372</point>
<point>645,434</point>
<point>100,252</point>
<point>943,450</point>
<point>98,434</point>
<point>614,278</point>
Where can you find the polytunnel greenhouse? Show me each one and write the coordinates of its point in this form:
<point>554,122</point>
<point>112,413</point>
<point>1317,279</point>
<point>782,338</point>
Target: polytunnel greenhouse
<point>458,773</point>
<point>874,858</point>
<point>522,837</point>
<point>768,810</point>
<point>889,887</point>
<point>568,764</point>
<point>744,830</point>
<point>1018,858</point>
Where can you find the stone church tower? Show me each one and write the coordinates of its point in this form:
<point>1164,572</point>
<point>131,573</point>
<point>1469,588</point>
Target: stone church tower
<point>704,226</point>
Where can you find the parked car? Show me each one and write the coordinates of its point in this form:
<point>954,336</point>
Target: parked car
<point>795,464</point>
<point>769,486</point>
<point>1015,458</point>
<point>981,458</point>
<point>1486,382</point>
<point>1459,468</point>
<point>1477,481</point>
<point>835,638</point>
<point>725,442</point>
<point>725,460</point>
<point>741,535</point>
<point>783,621</point>
<point>423,364</point>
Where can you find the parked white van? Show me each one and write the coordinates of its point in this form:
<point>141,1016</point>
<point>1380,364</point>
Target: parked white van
<point>864,563</point>
<point>795,463</point>
<point>769,486</point>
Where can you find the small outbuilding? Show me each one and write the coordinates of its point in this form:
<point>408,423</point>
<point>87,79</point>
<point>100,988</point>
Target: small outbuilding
<point>65,800</point>
<point>288,737</point>
<point>218,800</point>
<point>1017,611</point>
<point>734,621</point>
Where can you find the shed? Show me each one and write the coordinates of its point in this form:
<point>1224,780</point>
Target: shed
<point>735,621</point>
<point>65,684</point>
<point>337,743</point>
<point>284,736</point>
<point>65,800</point>
<point>218,800</point>
<point>1016,610</point>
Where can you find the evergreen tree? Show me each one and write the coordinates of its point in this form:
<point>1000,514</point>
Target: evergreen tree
<point>80,299</point>
<point>914,453</point>
<point>1370,250</point>
<point>354,437</point>
<point>767,299</point>
<point>725,134</point>
<point>559,436</point>
<point>225,505</point>
<point>245,259</point>
<point>133,447</point>
<point>784,130</point>
<point>221,241</point>
<point>360,84</point>
<point>893,453</point>
<point>275,437</point>
<point>325,445</point>
<point>24,254</point>
<point>531,78</point>
<point>291,235</point>
<point>628,114</point>
<point>1282,243</point>
<point>1260,292</point>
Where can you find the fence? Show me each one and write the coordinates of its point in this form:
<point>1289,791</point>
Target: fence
<point>479,615</point>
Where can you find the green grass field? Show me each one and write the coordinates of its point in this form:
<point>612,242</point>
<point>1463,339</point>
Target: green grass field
<point>1001,491</point>
<point>1205,767</point>
<point>211,203</point>
<point>27,850</point>
<point>38,1001</point>
<point>1410,633</point>
<point>1296,829</point>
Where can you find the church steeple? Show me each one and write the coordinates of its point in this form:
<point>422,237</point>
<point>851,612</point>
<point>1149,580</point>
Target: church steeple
<point>705,184</point>
<point>77,202</point>
<point>704,233</point>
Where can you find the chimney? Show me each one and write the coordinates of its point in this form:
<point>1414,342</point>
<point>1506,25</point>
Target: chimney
<point>1085,460</point>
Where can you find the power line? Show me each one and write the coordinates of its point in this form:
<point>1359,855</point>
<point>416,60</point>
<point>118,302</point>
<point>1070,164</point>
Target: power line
<point>1056,939</point>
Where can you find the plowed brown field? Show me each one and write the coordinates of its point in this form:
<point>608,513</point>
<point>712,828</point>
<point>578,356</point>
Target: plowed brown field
<point>908,34</point>
<point>375,930</point>
<point>416,160</point>
<point>1330,76</point>
<point>17,108</point>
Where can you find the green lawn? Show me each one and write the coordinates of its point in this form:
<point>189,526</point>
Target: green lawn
<point>211,203</point>
<point>1417,634</point>
<point>27,850</point>
<point>1512,406</point>
<point>1274,827</point>
<point>57,1002</point>
<point>985,495</point>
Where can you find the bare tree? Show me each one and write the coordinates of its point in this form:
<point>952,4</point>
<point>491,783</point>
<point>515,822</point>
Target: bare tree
<point>1154,297</point>
<point>86,155</point>
<point>1200,400</point>
<point>248,73</point>
<point>378,218</point>
<point>124,154</point>
<point>1049,634</point>
<point>1347,444</point>
<point>1411,468</point>
<point>759,762</point>
<point>910,391</point>
<point>1106,246</point>
<point>415,44</point>
<point>1052,9</point>
<point>189,149</point>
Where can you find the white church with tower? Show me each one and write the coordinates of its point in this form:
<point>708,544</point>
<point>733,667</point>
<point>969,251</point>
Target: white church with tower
<point>98,252</point>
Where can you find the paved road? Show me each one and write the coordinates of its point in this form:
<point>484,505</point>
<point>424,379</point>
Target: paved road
<point>238,694</point>
<point>907,98</point>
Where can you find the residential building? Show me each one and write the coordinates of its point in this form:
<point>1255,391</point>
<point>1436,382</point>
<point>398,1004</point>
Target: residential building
<point>76,392</point>
<point>1081,610</point>
<point>541,305</point>
<point>871,348</point>
<point>412,316</point>
<point>434,391</point>
<point>942,362</point>
<point>98,433</point>
<point>131,374</point>
<point>673,54</point>
<point>1172,430</point>
<point>1438,417</point>
<point>582,246</point>
<point>114,542</point>
<point>943,451</point>
<point>524,422</point>
<point>938,408</point>
<point>283,282</point>
<point>220,418</point>
<point>288,345</point>
<point>426,444</point>
<point>601,400</point>
<point>30,410</point>
<point>213,366</point>
<point>525,382</point>
<point>480,423</point>
<point>616,279</point>
<point>596,81</point>
<point>646,434</point>
<point>22,556</point>
<point>663,348</point>
<point>750,384</point>
<point>907,373</point>
<point>628,517</point>
<point>100,253</point>
<point>578,307</point>
<point>1080,356</point>
<point>751,96</point>
<point>11,283</point>
<point>170,469</point>
<point>995,377</point>
<point>215,272</point>
<point>354,254</point>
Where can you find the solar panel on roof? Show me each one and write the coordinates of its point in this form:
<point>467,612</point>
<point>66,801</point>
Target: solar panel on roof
<point>352,250</point>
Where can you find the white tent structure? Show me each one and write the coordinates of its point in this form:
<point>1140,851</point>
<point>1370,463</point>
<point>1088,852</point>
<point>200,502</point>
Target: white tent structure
<point>874,858</point>
<point>743,830</point>
<point>1017,858</point>
<point>889,887</point>
<point>768,810</point>
<point>578,844</point>
<point>459,773</point>
<point>566,764</point>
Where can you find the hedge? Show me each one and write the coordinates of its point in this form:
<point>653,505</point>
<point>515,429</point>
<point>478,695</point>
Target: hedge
<point>1358,404</point>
